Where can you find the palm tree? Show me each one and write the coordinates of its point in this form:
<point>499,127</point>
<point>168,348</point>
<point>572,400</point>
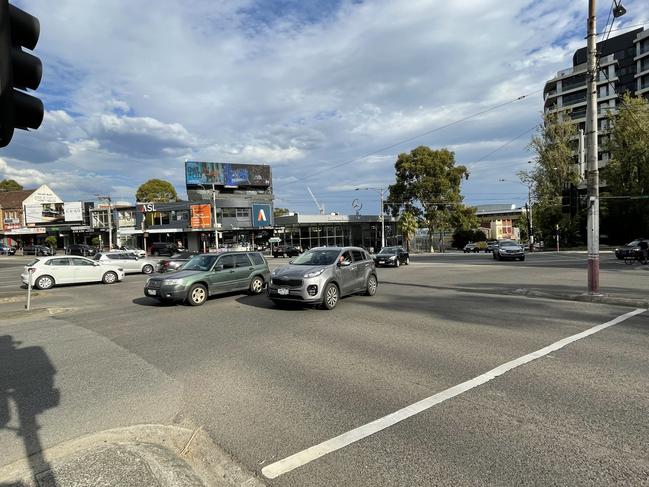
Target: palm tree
<point>408,225</point>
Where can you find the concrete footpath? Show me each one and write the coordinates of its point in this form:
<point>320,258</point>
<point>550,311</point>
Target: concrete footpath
<point>139,456</point>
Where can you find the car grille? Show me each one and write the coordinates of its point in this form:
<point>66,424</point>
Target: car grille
<point>287,282</point>
<point>155,283</point>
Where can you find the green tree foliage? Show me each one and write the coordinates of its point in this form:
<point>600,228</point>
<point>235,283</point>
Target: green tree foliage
<point>280,212</point>
<point>9,185</point>
<point>156,190</point>
<point>428,186</point>
<point>555,168</point>
<point>408,225</point>
<point>461,237</point>
<point>627,173</point>
<point>51,241</point>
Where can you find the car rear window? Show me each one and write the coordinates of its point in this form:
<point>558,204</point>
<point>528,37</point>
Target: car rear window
<point>256,258</point>
<point>242,260</point>
<point>32,262</point>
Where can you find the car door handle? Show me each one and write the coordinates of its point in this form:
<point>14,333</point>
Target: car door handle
<point>231,271</point>
<point>251,268</point>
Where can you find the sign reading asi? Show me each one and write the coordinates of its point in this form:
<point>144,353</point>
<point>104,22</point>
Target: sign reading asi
<point>261,215</point>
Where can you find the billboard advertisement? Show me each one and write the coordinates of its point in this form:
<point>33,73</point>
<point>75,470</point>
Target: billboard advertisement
<point>201,216</point>
<point>225,174</point>
<point>73,211</point>
<point>44,213</point>
<point>261,215</point>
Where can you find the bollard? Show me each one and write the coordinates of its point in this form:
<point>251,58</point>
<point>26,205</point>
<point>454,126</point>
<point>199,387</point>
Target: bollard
<point>29,289</point>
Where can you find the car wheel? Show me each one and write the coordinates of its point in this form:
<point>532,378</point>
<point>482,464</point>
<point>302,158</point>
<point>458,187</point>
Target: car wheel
<point>331,295</point>
<point>45,282</point>
<point>197,295</point>
<point>109,278</point>
<point>372,284</point>
<point>256,285</point>
<point>147,269</point>
<point>397,263</point>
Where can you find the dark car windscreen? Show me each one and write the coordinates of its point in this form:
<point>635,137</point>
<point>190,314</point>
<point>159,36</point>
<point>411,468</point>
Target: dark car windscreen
<point>317,257</point>
<point>200,263</point>
<point>388,251</point>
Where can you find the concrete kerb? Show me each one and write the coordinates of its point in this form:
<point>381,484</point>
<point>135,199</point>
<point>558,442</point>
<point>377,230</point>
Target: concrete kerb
<point>168,455</point>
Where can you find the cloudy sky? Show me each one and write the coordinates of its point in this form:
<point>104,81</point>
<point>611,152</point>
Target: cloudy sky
<point>327,92</point>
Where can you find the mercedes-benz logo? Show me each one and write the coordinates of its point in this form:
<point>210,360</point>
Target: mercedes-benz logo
<point>356,204</point>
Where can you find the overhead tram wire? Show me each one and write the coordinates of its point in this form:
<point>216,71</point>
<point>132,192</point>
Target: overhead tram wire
<point>410,139</point>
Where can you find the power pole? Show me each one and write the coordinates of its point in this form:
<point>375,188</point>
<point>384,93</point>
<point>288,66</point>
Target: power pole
<point>216,230</point>
<point>591,154</point>
<point>110,221</point>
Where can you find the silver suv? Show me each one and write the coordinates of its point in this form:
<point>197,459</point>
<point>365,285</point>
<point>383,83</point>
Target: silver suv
<point>323,275</point>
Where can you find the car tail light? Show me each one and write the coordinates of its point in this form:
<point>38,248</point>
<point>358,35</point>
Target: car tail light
<point>31,269</point>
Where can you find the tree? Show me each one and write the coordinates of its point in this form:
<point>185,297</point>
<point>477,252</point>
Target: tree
<point>554,145</point>
<point>10,185</point>
<point>408,225</point>
<point>280,212</point>
<point>51,241</point>
<point>428,186</point>
<point>461,237</point>
<point>156,191</point>
<point>627,174</point>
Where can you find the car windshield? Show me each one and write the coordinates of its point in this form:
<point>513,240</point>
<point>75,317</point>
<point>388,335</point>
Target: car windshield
<point>317,257</point>
<point>200,263</point>
<point>508,243</point>
<point>388,251</point>
<point>633,243</point>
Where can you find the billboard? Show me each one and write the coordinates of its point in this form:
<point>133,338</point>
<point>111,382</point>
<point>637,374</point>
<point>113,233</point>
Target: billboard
<point>225,174</point>
<point>261,215</point>
<point>44,213</point>
<point>73,211</point>
<point>201,216</point>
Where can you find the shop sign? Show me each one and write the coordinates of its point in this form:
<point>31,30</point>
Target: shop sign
<point>201,216</point>
<point>261,214</point>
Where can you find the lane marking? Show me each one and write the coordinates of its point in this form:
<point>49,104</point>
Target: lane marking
<point>299,459</point>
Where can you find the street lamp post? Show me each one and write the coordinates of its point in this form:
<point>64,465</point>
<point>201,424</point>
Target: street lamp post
<point>381,192</point>
<point>216,230</point>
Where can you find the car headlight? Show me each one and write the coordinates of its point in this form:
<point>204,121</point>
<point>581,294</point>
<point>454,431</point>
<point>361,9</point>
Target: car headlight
<point>147,281</point>
<point>172,282</point>
<point>393,257</point>
<point>314,273</point>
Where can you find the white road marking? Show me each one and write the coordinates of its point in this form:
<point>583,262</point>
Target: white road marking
<point>302,458</point>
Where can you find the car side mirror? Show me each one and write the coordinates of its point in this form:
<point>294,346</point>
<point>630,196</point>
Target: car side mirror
<point>96,264</point>
<point>344,263</point>
<point>218,267</point>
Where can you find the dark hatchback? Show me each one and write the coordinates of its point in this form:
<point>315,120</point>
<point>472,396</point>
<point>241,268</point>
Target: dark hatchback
<point>84,250</point>
<point>286,251</point>
<point>43,250</point>
<point>631,249</point>
<point>392,256</point>
<point>6,249</point>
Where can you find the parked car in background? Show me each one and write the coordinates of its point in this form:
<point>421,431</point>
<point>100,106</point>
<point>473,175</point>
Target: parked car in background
<point>7,249</point>
<point>51,271</point>
<point>175,261</point>
<point>38,250</point>
<point>133,250</point>
<point>84,250</point>
<point>392,256</point>
<point>508,249</point>
<point>471,247</point>
<point>286,251</point>
<point>629,250</point>
<point>323,275</point>
<point>491,245</point>
<point>163,248</point>
<point>209,274</point>
<point>131,263</point>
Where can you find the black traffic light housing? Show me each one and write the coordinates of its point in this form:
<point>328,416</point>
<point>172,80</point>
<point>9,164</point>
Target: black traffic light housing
<point>19,70</point>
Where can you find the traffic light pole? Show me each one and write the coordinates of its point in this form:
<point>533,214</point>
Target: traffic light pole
<point>591,154</point>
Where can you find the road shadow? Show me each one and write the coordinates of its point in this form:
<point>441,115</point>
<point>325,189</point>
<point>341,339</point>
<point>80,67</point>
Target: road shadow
<point>27,380</point>
<point>155,303</point>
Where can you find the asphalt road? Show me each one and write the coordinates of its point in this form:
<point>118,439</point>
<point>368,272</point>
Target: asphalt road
<point>267,383</point>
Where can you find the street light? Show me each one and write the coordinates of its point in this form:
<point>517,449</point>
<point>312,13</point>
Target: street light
<point>381,192</point>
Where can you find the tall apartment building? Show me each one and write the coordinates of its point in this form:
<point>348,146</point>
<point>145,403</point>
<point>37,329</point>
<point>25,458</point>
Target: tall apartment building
<point>623,67</point>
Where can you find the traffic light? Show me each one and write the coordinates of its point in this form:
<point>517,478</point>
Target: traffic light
<point>565,200</point>
<point>19,70</point>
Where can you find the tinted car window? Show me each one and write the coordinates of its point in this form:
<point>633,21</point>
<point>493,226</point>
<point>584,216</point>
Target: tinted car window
<point>77,261</point>
<point>114,256</point>
<point>242,260</point>
<point>58,262</point>
<point>200,263</point>
<point>227,261</point>
<point>358,255</point>
<point>256,258</point>
<point>317,257</point>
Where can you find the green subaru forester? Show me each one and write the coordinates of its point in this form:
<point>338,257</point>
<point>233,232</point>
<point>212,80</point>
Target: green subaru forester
<point>208,274</point>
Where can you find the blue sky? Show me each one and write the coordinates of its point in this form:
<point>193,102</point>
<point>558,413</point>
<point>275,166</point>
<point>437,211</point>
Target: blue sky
<point>313,88</point>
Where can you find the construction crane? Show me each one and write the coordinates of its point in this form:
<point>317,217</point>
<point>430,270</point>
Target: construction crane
<point>320,207</point>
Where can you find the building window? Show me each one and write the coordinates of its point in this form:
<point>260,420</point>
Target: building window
<point>243,213</point>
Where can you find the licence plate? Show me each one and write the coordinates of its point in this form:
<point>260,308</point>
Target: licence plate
<point>283,291</point>
<point>381,262</point>
<point>151,292</point>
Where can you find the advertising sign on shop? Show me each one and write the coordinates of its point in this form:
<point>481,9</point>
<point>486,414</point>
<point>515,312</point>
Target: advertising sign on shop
<point>261,214</point>
<point>73,211</point>
<point>201,216</point>
<point>44,213</point>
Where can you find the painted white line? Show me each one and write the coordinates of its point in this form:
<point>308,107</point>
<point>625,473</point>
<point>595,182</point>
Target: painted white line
<point>302,458</point>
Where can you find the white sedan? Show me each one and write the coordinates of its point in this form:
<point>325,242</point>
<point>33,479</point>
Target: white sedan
<point>129,262</point>
<point>50,271</point>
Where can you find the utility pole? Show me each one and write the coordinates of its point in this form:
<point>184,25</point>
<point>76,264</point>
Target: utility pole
<point>110,221</point>
<point>216,230</point>
<point>591,154</point>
